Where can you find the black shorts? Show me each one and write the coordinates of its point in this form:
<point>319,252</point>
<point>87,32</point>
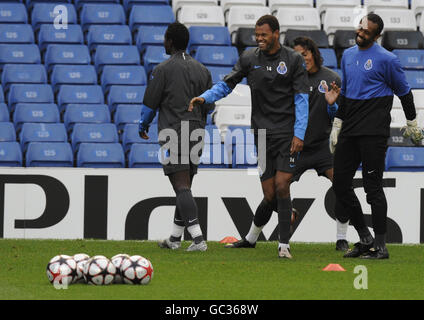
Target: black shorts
<point>178,158</point>
<point>320,159</point>
<point>277,157</point>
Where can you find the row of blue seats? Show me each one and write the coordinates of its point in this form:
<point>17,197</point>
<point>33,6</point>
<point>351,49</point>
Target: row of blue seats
<point>72,94</point>
<point>81,132</point>
<point>122,64</point>
<point>91,14</point>
<point>111,155</point>
<point>109,35</point>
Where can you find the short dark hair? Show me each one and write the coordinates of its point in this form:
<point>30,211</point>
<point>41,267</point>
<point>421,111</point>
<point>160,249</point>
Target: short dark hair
<point>309,44</point>
<point>272,21</point>
<point>178,33</point>
<point>377,20</point>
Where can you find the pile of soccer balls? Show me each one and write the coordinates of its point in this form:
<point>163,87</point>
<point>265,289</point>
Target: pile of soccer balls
<point>99,270</point>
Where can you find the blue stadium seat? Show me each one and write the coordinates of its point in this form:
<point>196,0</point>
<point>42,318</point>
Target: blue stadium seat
<point>122,75</point>
<point>66,54</point>
<point>7,132</point>
<point>218,73</point>
<point>80,3</point>
<point>10,154</point>
<point>410,59</point>
<point>49,154</point>
<point>101,155</point>
<point>35,112</point>
<point>212,134</point>
<point>415,78</point>
<point>143,155</point>
<point>239,135</point>
<point>150,15</point>
<point>244,156</point>
<point>405,159</point>
<point>125,95</point>
<point>128,4</point>
<point>30,3</point>
<point>1,94</point>
<point>44,13</point>
<point>93,133</point>
<point>126,114</point>
<point>16,33</point>
<point>72,74</point>
<point>214,155</point>
<point>48,34</point>
<point>101,13</point>
<point>85,113</point>
<point>85,94</point>
<point>19,53</point>
<point>4,113</point>
<point>110,35</point>
<point>217,55</point>
<point>115,55</point>
<point>329,57</point>
<point>150,36</point>
<point>42,132</point>
<point>23,73</point>
<point>29,93</point>
<point>13,13</point>
<point>130,136</point>
<point>208,36</point>
<point>152,57</point>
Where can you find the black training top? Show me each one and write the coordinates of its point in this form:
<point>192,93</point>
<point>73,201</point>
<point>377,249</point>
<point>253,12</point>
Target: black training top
<point>172,84</point>
<point>319,122</point>
<point>274,81</point>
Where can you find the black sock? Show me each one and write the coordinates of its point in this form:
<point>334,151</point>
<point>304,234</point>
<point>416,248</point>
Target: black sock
<point>365,236</point>
<point>187,207</point>
<point>380,241</point>
<point>284,218</point>
<point>178,220</point>
<point>263,212</point>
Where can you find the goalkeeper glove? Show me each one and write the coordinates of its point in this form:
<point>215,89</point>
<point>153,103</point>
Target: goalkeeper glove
<point>142,129</point>
<point>334,135</point>
<point>411,130</point>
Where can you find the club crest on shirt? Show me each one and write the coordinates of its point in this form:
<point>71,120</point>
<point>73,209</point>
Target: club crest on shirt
<point>368,64</point>
<point>282,68</point>
<point>321,87</point>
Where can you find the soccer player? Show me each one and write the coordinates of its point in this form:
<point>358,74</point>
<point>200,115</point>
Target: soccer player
<point>172,84</point>
<point>370,77</point>
<point>279,92</point>
<point>322,109</point>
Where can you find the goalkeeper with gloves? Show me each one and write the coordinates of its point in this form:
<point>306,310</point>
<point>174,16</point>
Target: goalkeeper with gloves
<point>370,77</point>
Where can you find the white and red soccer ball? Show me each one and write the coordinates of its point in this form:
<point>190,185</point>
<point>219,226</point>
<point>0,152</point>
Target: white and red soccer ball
<point>136,270</point>
<point>99,270</point>
<point>61,270</point>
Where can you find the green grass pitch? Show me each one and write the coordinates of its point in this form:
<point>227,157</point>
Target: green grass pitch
<point>219,273</point>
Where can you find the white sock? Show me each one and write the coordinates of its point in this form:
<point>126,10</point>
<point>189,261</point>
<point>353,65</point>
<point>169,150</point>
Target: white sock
<point>177,231</point>
<point>254,233</point>
<point>195,230</point>
<point>283,246</point>
<point>341,230</point>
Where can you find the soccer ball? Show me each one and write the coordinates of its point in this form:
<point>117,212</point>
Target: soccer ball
<point>80,259</point>
<point>61,270</point>
<point>136,270</point>
<point>99,270</point>
<point>117,262</point>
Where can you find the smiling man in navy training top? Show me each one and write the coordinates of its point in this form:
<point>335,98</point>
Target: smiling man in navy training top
<point>370,77</point>
<point>279,92</point>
